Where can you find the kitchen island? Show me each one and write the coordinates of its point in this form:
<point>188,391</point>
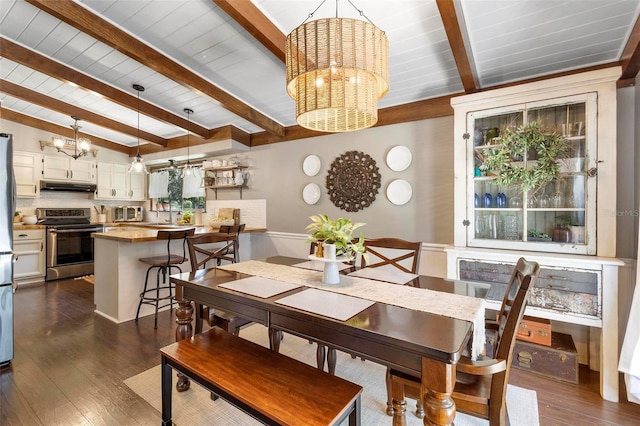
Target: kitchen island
<point>119,275</point>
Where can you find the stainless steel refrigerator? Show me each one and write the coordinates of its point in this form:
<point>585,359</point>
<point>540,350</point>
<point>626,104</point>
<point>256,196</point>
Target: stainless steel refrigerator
<point>7,208</point>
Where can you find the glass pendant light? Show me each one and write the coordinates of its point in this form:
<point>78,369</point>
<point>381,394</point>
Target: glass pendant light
<point>187,170</point>
<point>137,164</point>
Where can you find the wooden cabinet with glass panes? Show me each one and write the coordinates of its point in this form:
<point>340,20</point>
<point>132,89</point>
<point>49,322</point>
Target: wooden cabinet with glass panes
<point>574,211</point>
<point>568,225</point>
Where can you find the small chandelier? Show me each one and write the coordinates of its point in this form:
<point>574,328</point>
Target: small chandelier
<point>137,164</point>
<point>81,146</point>
<point>337,70</point>
<point>187,170</point>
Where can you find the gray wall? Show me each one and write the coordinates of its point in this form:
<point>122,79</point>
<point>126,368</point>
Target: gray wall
<point>277,176</point>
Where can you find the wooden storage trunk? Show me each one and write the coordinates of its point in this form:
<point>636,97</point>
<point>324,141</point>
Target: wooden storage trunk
<point>558,361</point>
<point>535,330</point>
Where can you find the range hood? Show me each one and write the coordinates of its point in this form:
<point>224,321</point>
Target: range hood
<point>67,186</point>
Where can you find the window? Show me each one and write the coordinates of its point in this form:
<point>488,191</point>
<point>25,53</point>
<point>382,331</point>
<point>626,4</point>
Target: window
<point>175,201</point>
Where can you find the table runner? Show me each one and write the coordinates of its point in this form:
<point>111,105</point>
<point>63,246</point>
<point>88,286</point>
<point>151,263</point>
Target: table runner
<point>319,266</point>
<point>450,305</point>
<point>391,275</point>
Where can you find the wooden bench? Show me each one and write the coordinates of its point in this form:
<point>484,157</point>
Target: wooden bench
<point>271,387</point>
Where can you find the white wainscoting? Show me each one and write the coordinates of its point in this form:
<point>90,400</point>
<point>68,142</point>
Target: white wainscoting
<point>433,259</point>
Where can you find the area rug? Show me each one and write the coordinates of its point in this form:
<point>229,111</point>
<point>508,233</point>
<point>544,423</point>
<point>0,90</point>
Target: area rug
<point>88,278</point>
<point>195,407</point>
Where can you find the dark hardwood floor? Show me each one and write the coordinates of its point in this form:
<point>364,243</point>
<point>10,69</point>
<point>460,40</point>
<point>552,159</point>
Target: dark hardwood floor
<point>70,365</point>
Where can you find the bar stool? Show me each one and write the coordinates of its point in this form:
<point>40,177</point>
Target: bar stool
<point>164,264</point>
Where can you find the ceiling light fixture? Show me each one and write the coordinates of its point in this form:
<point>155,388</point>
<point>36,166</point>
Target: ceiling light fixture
<point>337,70</point>
<point>81,146</point>
<point>137,164</point>
<point>187,170</point>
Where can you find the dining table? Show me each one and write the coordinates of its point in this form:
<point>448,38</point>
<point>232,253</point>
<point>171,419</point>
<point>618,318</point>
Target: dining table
<point>419,327</point>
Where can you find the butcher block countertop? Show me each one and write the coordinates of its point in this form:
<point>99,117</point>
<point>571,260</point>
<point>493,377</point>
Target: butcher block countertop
<point>22,227</point>
<point>139,235</point>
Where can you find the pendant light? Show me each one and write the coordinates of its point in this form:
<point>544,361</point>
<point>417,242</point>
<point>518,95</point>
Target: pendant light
<point>187,170</point>
<point>337,70</point>
<point>137,165</point>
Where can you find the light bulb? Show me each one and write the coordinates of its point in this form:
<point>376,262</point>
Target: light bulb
<point>84,144</point>
<point>137,165</point>
<point>58,142</point>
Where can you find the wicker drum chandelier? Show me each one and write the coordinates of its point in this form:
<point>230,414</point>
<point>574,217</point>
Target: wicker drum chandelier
<point>337,70</point>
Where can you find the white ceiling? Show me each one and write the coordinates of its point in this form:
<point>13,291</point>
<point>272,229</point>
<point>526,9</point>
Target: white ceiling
<point>506,41</point>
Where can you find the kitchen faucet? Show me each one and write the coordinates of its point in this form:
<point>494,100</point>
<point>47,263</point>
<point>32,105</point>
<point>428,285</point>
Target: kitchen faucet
<point>170,213</point>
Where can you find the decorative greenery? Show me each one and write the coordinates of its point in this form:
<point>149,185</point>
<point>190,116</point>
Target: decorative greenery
<point>186,216</point>
<point>338,232</point>
<point>532,233</point>
<point>514,144</point>
<point>16,214</point>
<point>563,220</point>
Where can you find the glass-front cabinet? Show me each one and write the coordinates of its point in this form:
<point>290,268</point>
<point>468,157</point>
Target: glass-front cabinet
<point>575,206</point>
<point>557,216</point>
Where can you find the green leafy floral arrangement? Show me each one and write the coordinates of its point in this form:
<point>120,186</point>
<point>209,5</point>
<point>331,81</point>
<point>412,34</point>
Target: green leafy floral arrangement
<point>339,232</point>
<point>505,160</point>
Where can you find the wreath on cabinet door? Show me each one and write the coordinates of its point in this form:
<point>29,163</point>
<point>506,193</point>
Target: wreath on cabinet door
<point>353,181</point>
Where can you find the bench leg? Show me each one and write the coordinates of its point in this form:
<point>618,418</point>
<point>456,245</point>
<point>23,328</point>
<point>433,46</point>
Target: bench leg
<point>166,393</point>
<point>354,416</point>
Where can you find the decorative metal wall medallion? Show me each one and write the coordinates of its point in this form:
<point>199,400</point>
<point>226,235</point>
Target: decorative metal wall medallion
<point>353,181</point>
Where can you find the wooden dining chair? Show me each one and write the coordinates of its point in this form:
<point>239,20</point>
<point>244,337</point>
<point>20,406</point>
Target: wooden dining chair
<point>481,385</point>
<point>230,251</point>
<point>392,252</point>
<point>383,253</point>
<point>202,249</point>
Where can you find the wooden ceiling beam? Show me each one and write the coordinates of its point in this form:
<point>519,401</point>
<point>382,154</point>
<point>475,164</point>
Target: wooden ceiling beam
<point>27,120</point>
<point>467,73</point>
<point>630,59</point>
<point>421,110</point>
<point>259,26</point>
<point>35,61</point>
<point>86,21</point>
<point>62,107</point>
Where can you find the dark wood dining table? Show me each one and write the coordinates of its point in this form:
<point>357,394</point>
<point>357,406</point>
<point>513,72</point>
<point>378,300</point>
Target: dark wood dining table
<point>416,342</point>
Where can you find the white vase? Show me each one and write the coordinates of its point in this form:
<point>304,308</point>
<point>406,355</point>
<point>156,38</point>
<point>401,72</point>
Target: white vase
<point>330,275</point>
<point>329,251</point>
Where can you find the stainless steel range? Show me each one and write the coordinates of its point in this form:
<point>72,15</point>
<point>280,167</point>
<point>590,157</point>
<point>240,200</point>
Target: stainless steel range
<point>69,241</point>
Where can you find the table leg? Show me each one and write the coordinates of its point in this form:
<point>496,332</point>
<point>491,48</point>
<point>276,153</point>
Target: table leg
<point>275,337</point>
<point>184,330</point>
<point>399,404</point>
<point>438,379</point>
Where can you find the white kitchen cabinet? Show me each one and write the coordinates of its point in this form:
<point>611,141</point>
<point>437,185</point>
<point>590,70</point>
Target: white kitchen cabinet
<point>578,282</point>
<point>27,168</point>
<point>67,169</point>
<point>138,186</point>
<point>29,250</point>
<point>116,183</point>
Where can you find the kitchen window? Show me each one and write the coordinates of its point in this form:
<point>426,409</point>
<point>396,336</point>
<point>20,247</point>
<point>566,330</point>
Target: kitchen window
<point>169,191</point>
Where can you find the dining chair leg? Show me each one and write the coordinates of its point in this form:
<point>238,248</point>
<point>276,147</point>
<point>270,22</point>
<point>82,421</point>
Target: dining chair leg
<point>320,356</point>
<point>332,360</point>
